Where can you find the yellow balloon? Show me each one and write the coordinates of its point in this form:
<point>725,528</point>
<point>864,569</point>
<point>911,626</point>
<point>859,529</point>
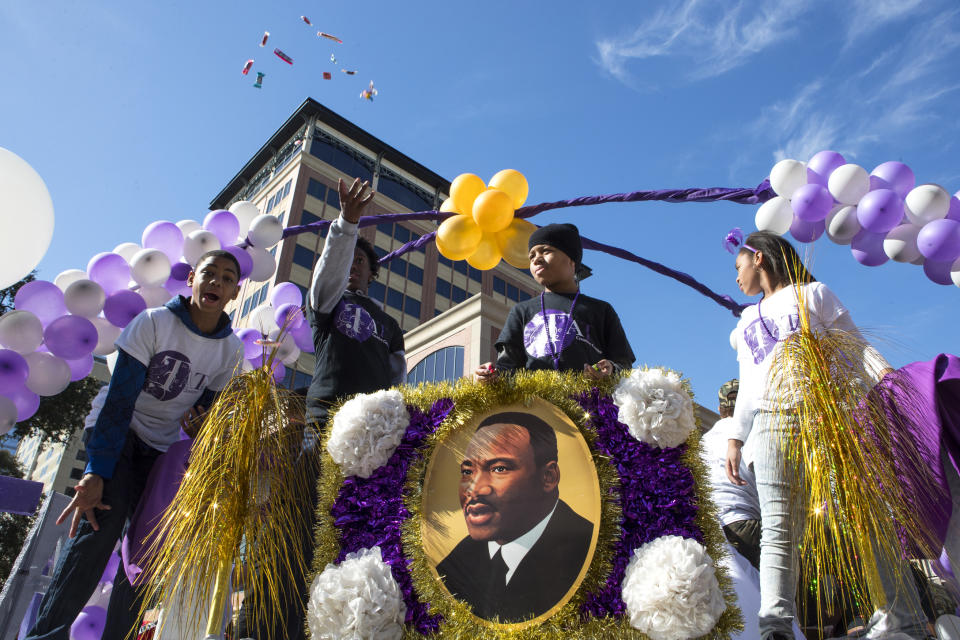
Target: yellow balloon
<point>458,237</point>
<point>513,183</point>
<point>464,190</point>
<point>448,206</point>
<point>487,254</point>
<point>513,241</point>
<point>493,210</point>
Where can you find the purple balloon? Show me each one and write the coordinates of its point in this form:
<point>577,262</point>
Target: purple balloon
<point>176,284</point>
<point>81,367</point>
<point>880,211</point>
<point>289,316</point>
<point>822,164</point>
<point>939,240</point>
<point>303,337</point>
<point>180,271</point>
<point>954,212</point>
<point>110,571</point>
<point>285,293</point>
<point>805,231</point>
<point>893,175</point>
<point>224,225</point>
<point>279,371</point>
<point>110,271</point>
<point>938,272</point>
<point>249,337</point>
<point>43,299</point>
<point>246,262</point>
<point>70,337</point>
<point>811,202</point>
<point>166,237</point>
<point>13,370</point>
<point>89,624</point>
<point>867,248</point>
<point>122,307</point>
<point>26,402</point>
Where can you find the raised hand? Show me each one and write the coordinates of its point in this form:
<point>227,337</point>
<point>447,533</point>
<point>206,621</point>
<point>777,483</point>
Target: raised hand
<point>353,200</point>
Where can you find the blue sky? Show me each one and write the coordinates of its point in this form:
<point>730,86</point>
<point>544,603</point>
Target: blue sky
<point>135,112</point>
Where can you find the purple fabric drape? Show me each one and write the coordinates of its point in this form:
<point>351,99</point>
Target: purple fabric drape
<point>929,406</point>
<point>162,485</point>
<point>19,496</point>
<point>759,194</point>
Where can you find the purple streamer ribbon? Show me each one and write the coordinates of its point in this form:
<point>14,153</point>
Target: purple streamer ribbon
<point>759,194</point>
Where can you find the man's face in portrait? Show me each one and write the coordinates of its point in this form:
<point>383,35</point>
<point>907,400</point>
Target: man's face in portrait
<point>503,492</point>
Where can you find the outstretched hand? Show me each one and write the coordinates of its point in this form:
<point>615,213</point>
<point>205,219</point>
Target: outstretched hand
<point>88,496</point>
<point>353,200</point>
<point>485,373</point>
<point>599,371</point>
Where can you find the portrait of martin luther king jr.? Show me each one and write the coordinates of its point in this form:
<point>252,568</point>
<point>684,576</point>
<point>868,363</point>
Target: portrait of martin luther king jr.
<point>525,546</point>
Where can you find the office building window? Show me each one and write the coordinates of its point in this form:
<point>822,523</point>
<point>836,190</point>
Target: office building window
<point>476,275</point>
<point>309,218</point>
<point>401,233</point>
<point>316,189</point>
<point>499,285</point>
<point>458,295</point>
<point>394,298</point>
<point>76,474</point>
<point>398,266</point>
<point>408,196</point>
<point>270,204</point>
<point>460,266</point>
<point>333,198</point>
<point>443,364</point>
<point>412,307</point>
<point>286,189</point>
<point>347,160</point>
<point>443,287</point>
<point>415,273</point>
<point>386,228</point>
<point>82,455</point>
<point>444,261</point>
<point>513,293</point>
<point>377,291</point>
<point>303,256</point>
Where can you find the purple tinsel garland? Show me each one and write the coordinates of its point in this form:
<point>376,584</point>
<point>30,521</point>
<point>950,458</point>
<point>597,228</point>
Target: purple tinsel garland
<point>656,491</point>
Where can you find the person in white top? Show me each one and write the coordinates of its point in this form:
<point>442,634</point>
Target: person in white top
<point>768,265</point>
<point>738,505</point>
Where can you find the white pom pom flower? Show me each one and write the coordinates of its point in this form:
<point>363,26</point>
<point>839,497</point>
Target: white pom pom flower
<point>655,407</point>
<point>358,598</point>
<point>671,590</point>
<point>366,431</point>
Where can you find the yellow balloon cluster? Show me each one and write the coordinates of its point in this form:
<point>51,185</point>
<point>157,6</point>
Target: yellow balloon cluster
<point>484,230</point>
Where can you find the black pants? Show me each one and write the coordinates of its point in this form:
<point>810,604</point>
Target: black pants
<point>744,536</point>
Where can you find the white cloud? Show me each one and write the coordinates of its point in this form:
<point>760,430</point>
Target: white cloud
<point>904,90</point>
<point>713,37</point>
<point>867,16</point>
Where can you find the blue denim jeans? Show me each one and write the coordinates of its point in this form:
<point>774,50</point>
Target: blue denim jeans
<point>84,557</point>
<point>780,535</point>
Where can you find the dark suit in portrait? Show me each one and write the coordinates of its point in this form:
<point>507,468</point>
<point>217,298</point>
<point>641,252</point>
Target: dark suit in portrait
<point>541,580</point>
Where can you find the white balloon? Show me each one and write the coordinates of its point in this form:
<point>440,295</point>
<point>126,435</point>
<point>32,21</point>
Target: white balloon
<point>189,226</point>
<point>787,176</point>
<point>198,243</point>
<point>8,415</point>
<point>245,211</point>
<point>901,243</point>
<point>150,267</point>
<point>26,218</point>
<point>84,298</point>
<point>107,334</point>
<point>262,319</point>
<point>842,224</point>
<point>264,264</point>
<point>955,272</point>
<point>49,375</point>
<point>154,296</point>
<point>112,361</point>
<point>68,277</point>
<point>848,183</point>
<point>775,215</point>
<point>287,350</point>
<point>20,331</point>
<point>127,250</point>
<point>926,203</point>
<point>265,231</point>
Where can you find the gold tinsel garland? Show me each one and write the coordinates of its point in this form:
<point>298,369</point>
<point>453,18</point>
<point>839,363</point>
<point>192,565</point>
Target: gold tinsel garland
<point>846,479</point>
<point>245,483</point>
<point>470,399</point>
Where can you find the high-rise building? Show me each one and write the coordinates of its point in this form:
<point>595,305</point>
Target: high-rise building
<point>450,311</point>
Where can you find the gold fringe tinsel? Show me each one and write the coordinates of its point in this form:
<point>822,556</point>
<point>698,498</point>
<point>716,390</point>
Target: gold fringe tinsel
<point>838,447</point>
<point>470,399</point>
<point>244,484</point>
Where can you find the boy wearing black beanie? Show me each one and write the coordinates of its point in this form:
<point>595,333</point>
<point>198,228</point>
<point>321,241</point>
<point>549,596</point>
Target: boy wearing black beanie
<point>561,328</point>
